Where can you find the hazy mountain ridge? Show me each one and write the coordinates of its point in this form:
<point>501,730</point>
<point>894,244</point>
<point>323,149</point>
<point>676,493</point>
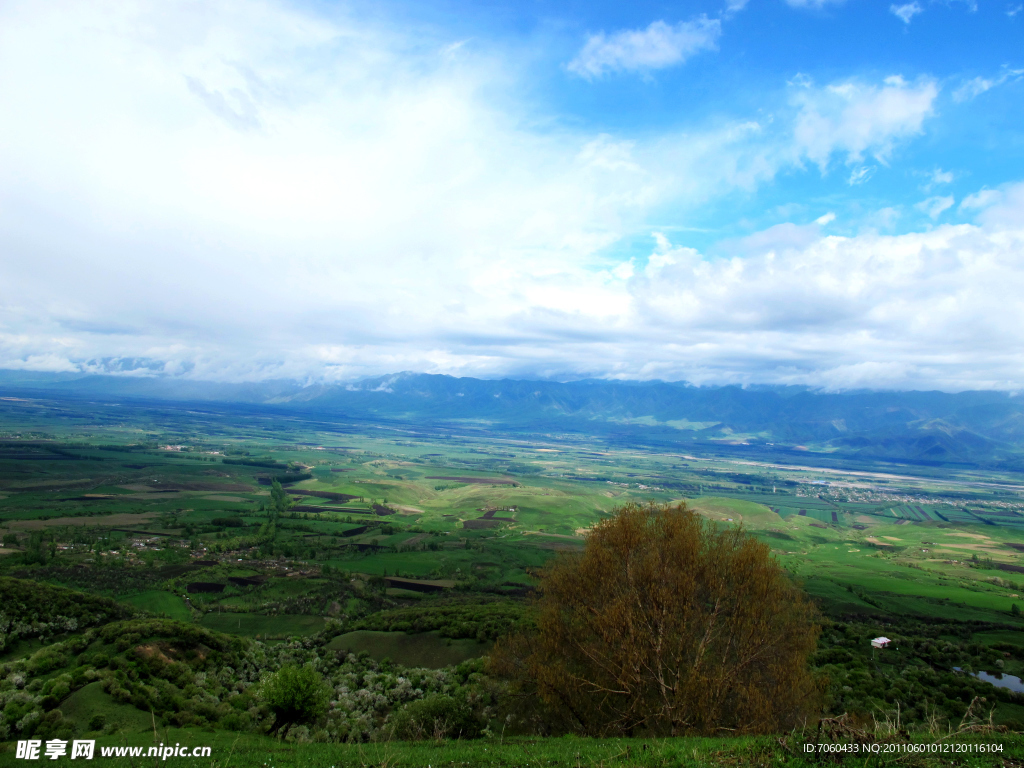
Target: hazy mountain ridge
<point>934,426</point>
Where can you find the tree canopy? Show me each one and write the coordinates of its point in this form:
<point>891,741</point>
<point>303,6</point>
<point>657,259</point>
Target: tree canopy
<point>296,694</point>
<point>666,624</point>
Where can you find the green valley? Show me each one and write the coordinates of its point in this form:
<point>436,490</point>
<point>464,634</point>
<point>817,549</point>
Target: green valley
<point>158,560</point>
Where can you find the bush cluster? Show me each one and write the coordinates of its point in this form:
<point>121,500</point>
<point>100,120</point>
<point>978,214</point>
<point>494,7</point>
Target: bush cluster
<point>480,620</point>
<point>188,676</point>
<point>29,609</point>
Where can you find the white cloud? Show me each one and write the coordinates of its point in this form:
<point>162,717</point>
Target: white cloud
<point>266,192</point>
<point>978,85</point>
<point>241,190</point>
<point>937,178</point>
<point>1013,10</point>
<point>625,270</point>
<point>981,199</point>
<point>855,118</point>
<point>814,4</point>
<point>860,174</point>
<point>935,206</point>
<point>936,308</point>
<point>883,219</point>
<point>906,12</point>
<point>1001,208</point>
<point>973,87</point>
<point>660,45</point>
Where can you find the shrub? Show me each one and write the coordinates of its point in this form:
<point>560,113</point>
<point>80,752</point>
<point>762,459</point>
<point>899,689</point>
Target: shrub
<point>666,625</point>
<point>295,694</point>
<point>435,717</point>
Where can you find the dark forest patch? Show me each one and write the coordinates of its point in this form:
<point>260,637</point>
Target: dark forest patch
<point>204,587</point>
<point>247,581</point>
<point>414,586</point>
<point>342,497</point>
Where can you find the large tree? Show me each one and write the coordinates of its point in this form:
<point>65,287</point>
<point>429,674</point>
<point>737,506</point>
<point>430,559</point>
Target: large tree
<point>666,624</point>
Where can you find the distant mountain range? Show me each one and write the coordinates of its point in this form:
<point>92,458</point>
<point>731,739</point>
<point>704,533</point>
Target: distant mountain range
<point>985,428</point>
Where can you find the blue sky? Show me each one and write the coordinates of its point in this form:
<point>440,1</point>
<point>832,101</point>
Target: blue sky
<point>821,193</point>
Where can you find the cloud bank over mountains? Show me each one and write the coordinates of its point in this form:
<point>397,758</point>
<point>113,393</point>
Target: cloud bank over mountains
<point>248,190</point>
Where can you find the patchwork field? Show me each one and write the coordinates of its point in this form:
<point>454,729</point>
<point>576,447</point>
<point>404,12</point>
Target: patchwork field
<point>422,546</point>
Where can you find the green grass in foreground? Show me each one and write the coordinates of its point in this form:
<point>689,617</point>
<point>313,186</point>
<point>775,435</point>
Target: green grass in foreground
<point>228,749</point>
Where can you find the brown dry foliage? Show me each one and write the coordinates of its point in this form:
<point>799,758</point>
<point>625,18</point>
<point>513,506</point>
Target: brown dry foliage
<point>665,625</point>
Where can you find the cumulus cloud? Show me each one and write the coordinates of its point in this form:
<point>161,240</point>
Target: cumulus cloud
<point>246,191</point>
<point>855,119</point>
<point>906,12</point>
<point>270,193</point>
<point>1001,208</point>
<point>658,46</point>
<point>933,308</point>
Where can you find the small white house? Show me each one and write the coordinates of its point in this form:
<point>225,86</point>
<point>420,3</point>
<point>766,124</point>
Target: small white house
<point>880,642</point>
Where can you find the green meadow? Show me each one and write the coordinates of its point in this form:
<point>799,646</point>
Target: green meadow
<point>161,603</point>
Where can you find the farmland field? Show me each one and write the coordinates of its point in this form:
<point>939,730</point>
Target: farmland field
<point>161,603</point>
<point>417,549</point>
